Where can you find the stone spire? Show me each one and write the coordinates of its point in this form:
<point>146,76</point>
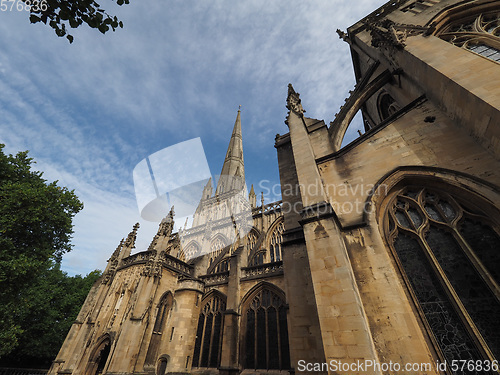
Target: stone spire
<point>160,240</point>
<point>232,175</point>
<point>129,243</point>
<point>207,190</point>
<point>252,198</point>
<point>122,251</point>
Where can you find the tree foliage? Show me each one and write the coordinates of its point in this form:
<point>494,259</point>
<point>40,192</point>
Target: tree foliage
<point>64,14</point>
<point>50,306</point>
<point>35,231</point>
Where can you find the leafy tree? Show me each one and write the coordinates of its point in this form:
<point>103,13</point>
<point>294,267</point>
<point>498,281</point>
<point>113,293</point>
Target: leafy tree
<point>59,14</point>
<point>35,231</point>
<point>51,304</point>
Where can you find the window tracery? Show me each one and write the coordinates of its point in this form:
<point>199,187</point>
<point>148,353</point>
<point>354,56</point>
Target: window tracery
<point>386,105</point>
<point>189,252</point>
<point>275,243</point>
<point>162,311</point>
<point>448,254</point>
<point>478,33</point>
<point>266,334</point>
<point>222,266</point>
<point>216,247</point>
<point>258,259</point>
<point>208,342</point>
<point>251,241</point>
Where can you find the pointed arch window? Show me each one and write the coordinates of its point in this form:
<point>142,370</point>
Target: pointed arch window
<point>207,347</point>
<point>218,244</point>
<point>258,259</point>
<point>99,356</point>
<point>251,241</point>
<point>223,266</point>
<point>449,255</point>
<point>162,311</point>
<point>275,243</point>
<point>386,105</point>
<point>265,345</point>
<point>190,252</point>
<point>102,359</point>
<point>478,33</point>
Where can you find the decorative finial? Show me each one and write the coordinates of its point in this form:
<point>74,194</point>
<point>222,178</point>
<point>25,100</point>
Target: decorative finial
<point>239,107</point>
<point>343,36</point>
<point>293,101</point>
<point>130,241</point>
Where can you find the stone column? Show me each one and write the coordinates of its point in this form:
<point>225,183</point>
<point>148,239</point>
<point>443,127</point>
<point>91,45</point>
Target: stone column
<point>229,364</point>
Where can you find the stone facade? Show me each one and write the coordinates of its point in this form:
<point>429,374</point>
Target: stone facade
<point>382,251</point>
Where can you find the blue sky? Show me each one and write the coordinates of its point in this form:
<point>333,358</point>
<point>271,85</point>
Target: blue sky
<point>90,111</point>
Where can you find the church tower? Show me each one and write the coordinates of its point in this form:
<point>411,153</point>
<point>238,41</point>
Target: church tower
<point>232,176</point>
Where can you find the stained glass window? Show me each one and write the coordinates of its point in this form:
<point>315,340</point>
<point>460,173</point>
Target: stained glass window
<point>209,333</point>
<point>275,243</point>
<point>162,312</point>
<point>478,33</point>
<point>450,255</point>
<point>266,334</point>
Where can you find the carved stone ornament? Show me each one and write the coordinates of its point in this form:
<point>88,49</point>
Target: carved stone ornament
<point>344,36</point>
<point>387,33</point>
<point>293,101</point>
<point>130,241</point>
<point>152,269</point>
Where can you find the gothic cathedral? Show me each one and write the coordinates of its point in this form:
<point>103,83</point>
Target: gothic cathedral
<point>385,249</point>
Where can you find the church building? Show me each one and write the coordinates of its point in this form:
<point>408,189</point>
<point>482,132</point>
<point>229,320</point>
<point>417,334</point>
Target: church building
<point>383,256</point>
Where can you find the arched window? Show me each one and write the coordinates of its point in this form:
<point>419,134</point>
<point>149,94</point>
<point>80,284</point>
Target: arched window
<point>102,358</point>
<point>222,266</point>
<point>162,311</point>
<point>386,105</point>
<point>449,255</point>
<point>258,259</point>
<point>99,356</point>
<point>161,368</point>
<point>479,33</point>
<point>191,251</point>
<point>216,247</point>
<point>265,344</point>
<point>251,241</point>
<point>208,342</point>
<point>275,243</point>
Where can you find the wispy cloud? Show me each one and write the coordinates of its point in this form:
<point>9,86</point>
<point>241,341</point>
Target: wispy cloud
<point>90,111</point>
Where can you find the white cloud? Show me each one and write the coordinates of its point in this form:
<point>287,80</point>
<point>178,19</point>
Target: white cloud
<point>90,111</point>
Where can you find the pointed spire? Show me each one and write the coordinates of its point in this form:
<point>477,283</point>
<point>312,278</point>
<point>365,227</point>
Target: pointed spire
<point>164,231</point>
<point>293,101</point>
<point>232,175</point>
<point>116,253</point>
<point>129,243</point>
<point>252,197</point>
<point>207,190</point>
